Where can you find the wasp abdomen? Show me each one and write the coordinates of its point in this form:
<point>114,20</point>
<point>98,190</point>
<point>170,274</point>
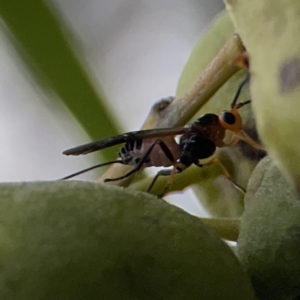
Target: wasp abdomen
<point>165,151</point>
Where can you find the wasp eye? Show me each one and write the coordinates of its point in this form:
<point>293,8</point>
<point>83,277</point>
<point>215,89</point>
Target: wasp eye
<point>228,117</point>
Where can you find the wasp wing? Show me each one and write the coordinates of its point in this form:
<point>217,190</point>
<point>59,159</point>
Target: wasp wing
<point>123,138</point>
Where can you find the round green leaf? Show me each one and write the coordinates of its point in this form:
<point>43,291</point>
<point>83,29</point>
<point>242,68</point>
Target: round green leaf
<point>74,240</point>
<point>269,240</point>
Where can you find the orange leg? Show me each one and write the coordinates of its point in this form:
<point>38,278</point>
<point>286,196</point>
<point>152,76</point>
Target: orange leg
<point>170,173</point>
<point>225,172</point>
<point>246,138</point>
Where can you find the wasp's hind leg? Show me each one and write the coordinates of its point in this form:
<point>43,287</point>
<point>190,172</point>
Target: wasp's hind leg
<point>170,173</point>
<point>225,172</point>
<point>160,173</point>
<point>136,169</point>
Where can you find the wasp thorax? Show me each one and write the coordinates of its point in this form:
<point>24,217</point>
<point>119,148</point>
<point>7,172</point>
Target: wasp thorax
<point>206,119</point>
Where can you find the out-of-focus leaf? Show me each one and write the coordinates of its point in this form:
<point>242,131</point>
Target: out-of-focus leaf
<point>269,240</point>
<point>226,228</point>
<point>75,240</point>
<point>218,33</point>
<point>39,35</point>
<point>269,29</point>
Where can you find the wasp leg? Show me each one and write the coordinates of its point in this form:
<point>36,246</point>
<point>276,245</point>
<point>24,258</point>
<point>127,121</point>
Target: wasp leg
<point>92,168</point>
<point>136,169</point>
<point>225,172</point>
<point>242,135</point>
<point>178,168</point>
<point>170,181</point>
<point>232,142</point>
<point>170,173</point>
<point>143,160</point>
<point>160,173</point>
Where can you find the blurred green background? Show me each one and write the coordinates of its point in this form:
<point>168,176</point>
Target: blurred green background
<point>76,71</point>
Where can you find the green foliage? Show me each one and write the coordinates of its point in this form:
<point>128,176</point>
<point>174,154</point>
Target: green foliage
<point>75,240</point>
<point>269,236</point>
<point>268,29</point>
<point>269,240</point>
<point>68,240</point>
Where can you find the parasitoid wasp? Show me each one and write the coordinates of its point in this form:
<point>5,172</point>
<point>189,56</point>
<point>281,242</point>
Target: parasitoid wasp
<point>158,147</point>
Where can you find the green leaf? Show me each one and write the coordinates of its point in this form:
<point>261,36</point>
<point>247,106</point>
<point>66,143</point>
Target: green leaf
<point>40,37</point>
<point>269,240</point>
<point>75,240</point>
<point>269,29</point>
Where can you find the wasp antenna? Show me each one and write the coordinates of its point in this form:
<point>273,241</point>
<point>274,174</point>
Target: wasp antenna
<point>242,104</point>
<point>239,90</point>
<point>92,168</point>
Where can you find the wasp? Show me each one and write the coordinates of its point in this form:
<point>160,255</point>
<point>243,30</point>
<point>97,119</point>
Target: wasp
<point>159,148</point>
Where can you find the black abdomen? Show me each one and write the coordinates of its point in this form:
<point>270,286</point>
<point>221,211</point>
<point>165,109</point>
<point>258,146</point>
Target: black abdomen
<point>194,148</point>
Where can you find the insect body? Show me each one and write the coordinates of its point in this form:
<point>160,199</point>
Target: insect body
<point>158,147</point>
<point>163,152</point>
